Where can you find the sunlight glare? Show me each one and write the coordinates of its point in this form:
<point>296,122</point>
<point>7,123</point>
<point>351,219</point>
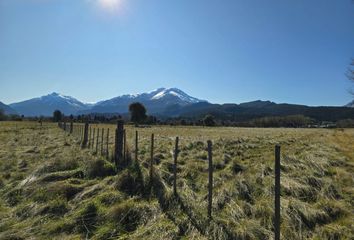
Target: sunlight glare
<point>111,5</point>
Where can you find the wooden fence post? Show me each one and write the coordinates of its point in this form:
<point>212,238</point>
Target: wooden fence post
<point>84,142</point>
<point>125,147</point>
<point>71,127</point>
<point>98,137</point>
<point>151,158</point>
<point>82,132</point>
<point>175,167</point>
<point>277,194</point>
<point>210,185</point>
<point>90,133</point>
<point>102,141</point>
<point>64,125</point>
<point>80,136</point>
<point>107,142</point>
<point>118,149</point>
<point>93,138</point>
<point>136,146</point>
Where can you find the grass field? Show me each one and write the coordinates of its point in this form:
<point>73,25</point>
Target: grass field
<point>50,188</point>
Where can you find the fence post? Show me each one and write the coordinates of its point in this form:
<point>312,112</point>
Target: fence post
<point>84,142</point>
<point>89,141</point>
<point>71,127</point>
<point>93,138</point>
<point>107,142</point>
<point>80,131</point>
<point>210,185</point>
<point>277,194</point>
<point>118,149</point>
<point>98,137</point>
<point>102,141</point>
<point>175,167</point>
<point>125,147</point>
<point>64,125</point>
<point>151,158</point>
<point>136,146</point>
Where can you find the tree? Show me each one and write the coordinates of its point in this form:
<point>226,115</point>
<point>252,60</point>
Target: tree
<point>209,120</point>
<point>351,74</point>
<point>137,112</point>
<point>57,116</point>
<point>2,115</point>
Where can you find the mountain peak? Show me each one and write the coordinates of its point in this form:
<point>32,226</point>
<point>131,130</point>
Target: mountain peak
<point>56,94</point>
<point>257,104</point>
<point>174,92</point>
<point>155,101</point>
<point>45,105</point>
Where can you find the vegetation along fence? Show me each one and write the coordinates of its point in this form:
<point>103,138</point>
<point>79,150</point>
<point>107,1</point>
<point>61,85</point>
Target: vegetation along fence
<point>115,149</point>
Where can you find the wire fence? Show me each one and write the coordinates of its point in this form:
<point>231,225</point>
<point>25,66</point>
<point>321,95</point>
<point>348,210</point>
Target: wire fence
<point>113,144</point>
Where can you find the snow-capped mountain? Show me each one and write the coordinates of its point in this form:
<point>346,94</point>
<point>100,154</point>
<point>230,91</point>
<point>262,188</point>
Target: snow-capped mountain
<point>182,96</point>
<point>155,101</point>
<point>351,104</point>
<point>173,102</point>
<point>47,104</point>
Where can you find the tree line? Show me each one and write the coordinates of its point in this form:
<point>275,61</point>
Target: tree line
<point>138,116</point>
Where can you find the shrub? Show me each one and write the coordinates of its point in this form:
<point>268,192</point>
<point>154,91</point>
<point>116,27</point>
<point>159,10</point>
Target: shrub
<point>209,121</point>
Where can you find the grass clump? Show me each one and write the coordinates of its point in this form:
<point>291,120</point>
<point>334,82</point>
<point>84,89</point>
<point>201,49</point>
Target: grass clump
<point>99,168</point>
<point>334,232</point>
<point>130,214</point>
<point>87,218</point>
<point>56,207</point>
<point>130,181</point>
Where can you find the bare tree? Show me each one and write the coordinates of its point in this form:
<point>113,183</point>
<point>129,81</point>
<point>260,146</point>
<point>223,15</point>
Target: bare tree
<point>351,71</point>
<point>350,74</point>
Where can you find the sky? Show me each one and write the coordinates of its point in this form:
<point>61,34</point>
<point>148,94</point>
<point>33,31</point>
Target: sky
<point>230,51</point>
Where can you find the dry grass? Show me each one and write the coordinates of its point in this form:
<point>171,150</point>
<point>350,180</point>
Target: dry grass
<point>51,188</point>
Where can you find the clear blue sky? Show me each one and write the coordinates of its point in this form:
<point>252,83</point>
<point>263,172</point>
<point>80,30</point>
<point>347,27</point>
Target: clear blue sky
<point>223,51</point>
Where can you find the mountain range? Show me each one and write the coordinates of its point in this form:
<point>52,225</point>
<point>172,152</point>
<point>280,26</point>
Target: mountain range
<point>173,102</point>
<point>155,101</point>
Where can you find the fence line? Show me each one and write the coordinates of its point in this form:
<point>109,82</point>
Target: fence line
<point>86,135</point>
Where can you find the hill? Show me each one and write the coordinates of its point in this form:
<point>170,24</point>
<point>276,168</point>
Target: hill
<point>7,109</point>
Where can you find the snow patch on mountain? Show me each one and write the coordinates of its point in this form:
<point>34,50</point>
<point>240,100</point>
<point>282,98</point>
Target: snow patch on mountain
<point>163,92</point>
